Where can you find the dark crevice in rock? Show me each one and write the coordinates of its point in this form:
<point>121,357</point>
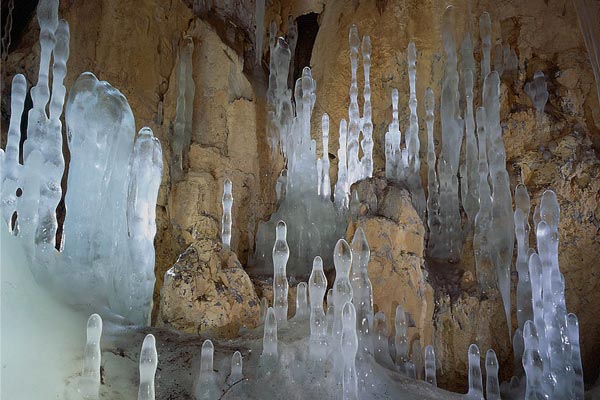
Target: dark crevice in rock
<point>308,27</point>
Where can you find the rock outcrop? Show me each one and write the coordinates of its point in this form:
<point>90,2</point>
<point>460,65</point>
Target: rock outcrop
<point>207,291</point>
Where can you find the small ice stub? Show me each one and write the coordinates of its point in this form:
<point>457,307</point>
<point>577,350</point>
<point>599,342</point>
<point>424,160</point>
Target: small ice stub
<point>537,90</point>
<point>148,365</point>
<point>475,382</point>
<point>317,285</point>
<point>89,383</point>
<point>492,386</point>
<point>206,385</point>
<point>430,374</point>
<point>236,374</point>
<point>302,310</point>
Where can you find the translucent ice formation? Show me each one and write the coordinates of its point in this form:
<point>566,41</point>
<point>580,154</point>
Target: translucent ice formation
<point>281,254</point>
<point>148,365</point>
<point>89,383</point>
<point>537,90</point>
<point>106,256</point>
<point>403,163</point>
<point>226,220</point>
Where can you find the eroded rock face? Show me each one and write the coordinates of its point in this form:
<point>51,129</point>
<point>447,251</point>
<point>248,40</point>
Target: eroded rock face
<point>396,236</point>
<point>207,291</point>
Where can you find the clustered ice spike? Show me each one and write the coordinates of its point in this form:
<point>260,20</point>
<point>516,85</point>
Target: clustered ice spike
<point>403,163</point>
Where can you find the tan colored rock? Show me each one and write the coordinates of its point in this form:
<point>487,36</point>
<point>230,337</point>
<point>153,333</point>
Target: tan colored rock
<point>208,291</point>
<point>396,266</point>
<point>264,288</point>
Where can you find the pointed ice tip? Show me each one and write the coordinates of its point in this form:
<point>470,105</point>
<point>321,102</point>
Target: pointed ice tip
<point>412,52</point>
<point>318,264</point>
<point>227,185</point>
<point>359,242</point>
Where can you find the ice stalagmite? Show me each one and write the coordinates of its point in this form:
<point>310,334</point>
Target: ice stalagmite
<point>430,375</point>
<point>186,90</point>
<point>521,216</point>
<point>349,348</point>
<point>260,29</point>
<point>148,365</point>
<point>362,290</point>
<point>380,342</point>
<point>577,388</point>
<point>533,364</point>
<point>392,142</point>
<point>270,336</point>
<point>281,254</point>
<point>11,169</point>
<point>342,288</point>
<point>417,358</point>
<point>136,278</point>
<point>227,203</point>
<point>100,134</point>
<point>317,285</point>
<point>342,192</point>
<point>89,383</point>
<point>206,385</point>
<point>475,382</point>
<point>236,369</point>
<point>492,386</point>
<point>325,190</point>
<point>367,122</point>
<point>301,301</point>
<point>401,339</point>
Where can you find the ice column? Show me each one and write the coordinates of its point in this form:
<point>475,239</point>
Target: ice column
<point>281,253</point>
<point>226,220</point>
<point>317,285</point>
<point>537,90</point>
<point>362,290</point>
<point>492,387</point>
<point>89,384</point>
<point>475,383</point>
<point>148,364</point>
<point>349,348</point>
<point>186,90</point>
<point>430,376</point>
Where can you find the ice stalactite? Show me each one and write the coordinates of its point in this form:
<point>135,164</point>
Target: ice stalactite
<point>537,90</point>
<point>403,163</point>
<point>588,14</point>
<point>148,365</point>
<point>485,32</point>
<point>353,112</point>
<point>259,16</point>
<point>433,201</point>
<point>367,121</point>
<point>362,289</point>
<point>342,288</point>
<point>226,221</point>
<point>89,382</point>
<point>186,90</point>
<point>501,231</point>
